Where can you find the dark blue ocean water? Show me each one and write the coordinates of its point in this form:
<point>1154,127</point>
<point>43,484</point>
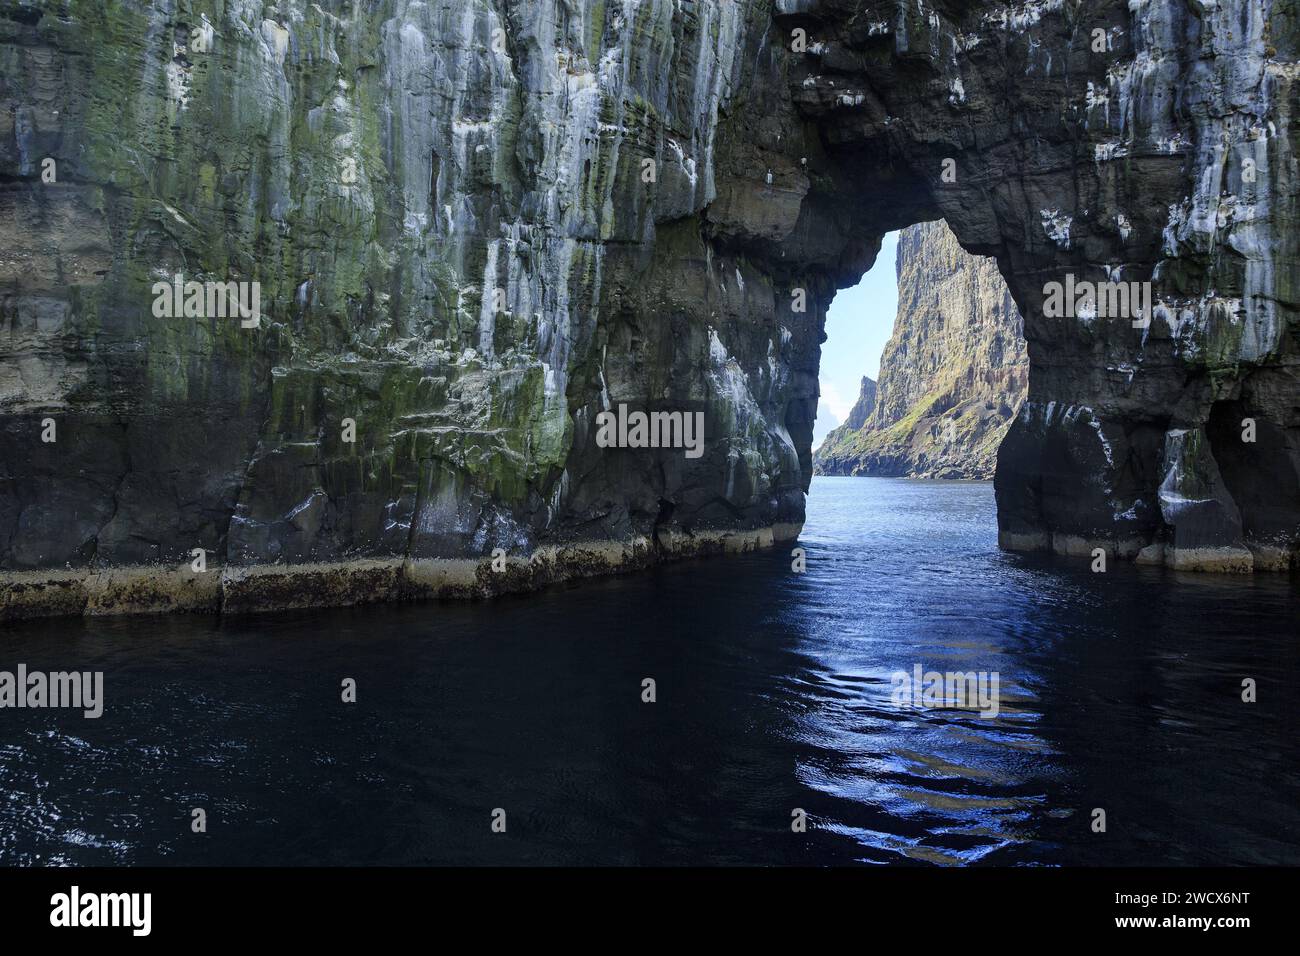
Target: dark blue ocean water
<point>1119,691</point>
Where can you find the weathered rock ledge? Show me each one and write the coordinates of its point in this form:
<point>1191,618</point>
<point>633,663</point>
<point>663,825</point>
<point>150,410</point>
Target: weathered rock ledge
<point>155,589</point>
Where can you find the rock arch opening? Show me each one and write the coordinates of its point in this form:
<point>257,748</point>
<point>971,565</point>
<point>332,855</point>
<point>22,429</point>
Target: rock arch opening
<point>952,374</point>
<point>1077,147</point>
<point>1258,470</point>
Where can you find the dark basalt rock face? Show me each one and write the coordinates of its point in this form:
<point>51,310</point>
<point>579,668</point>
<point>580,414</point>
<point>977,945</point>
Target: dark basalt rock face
<point>1164,152</point>
<point>952,375</point>
<point>462,249</point>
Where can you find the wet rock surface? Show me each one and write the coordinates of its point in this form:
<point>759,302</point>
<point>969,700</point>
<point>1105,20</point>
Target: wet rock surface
<point>476,225</point>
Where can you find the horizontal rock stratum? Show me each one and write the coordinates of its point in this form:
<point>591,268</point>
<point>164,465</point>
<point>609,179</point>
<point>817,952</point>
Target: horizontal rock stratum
<point>475,225</point>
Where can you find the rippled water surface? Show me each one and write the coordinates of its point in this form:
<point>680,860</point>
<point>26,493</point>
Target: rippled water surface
<point>1119,691</point>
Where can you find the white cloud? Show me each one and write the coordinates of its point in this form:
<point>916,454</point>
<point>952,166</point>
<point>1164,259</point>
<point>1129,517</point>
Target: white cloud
<point>834,402</point>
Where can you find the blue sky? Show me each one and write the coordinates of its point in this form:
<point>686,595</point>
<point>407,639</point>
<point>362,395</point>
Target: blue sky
<point>857,328</point>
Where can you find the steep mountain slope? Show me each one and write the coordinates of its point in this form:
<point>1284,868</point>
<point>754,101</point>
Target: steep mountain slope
<point>952,375</point>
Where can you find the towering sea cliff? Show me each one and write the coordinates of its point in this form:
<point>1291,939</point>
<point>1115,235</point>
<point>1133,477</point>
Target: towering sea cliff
<point>952,375</point>
<point>477,224</point>
<point>863,407</point>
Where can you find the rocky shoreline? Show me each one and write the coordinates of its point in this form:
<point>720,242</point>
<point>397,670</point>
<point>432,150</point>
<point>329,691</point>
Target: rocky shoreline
<point>265,588</point>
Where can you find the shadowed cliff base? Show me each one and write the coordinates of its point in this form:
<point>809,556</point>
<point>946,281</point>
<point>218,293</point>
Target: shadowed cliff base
<point>217,590</point>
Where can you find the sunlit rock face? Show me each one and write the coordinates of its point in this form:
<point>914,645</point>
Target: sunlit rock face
<point>952,375</point>
<point>462,250</point>
<point>864,406</point>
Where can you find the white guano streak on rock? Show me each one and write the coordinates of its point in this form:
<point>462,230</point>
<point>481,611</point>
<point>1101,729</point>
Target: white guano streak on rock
<point>1234,119</point>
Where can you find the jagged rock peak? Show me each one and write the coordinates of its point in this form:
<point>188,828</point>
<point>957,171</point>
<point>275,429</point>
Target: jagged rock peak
<point>864,406</point>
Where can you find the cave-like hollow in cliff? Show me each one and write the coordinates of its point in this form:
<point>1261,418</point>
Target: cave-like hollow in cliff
<point>952,366</point>
<point>1085,146</point>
